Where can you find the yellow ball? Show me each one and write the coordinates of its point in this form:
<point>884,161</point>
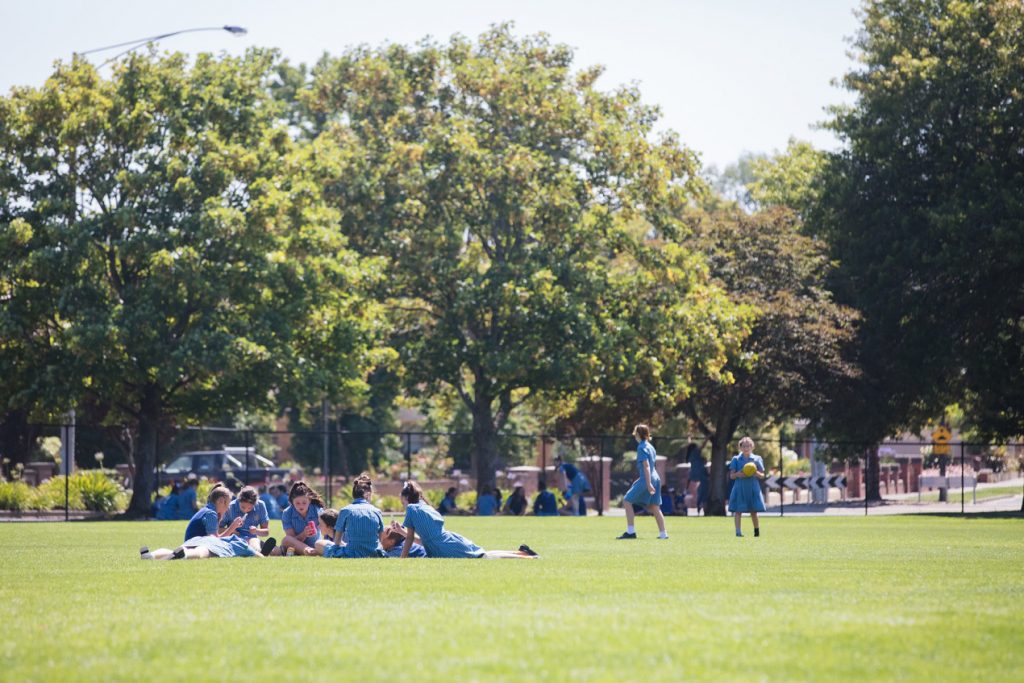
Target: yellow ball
<point>750,469</point>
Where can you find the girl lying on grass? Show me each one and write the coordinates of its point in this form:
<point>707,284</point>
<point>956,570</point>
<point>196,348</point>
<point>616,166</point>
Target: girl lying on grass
<point>422,519</point>
<point>202,548</point>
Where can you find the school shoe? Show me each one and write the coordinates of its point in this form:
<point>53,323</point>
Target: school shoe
<point>757,532</point>
<point>626,536</point>
<point>178,554</point>
<point>526,549</point>
<point>268,545</point>
<point>662,537</point>
<point>145,554</point>
<point>739,534</point>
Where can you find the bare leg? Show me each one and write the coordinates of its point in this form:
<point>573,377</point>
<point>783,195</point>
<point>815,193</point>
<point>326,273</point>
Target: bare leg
<point>508,555</point>
<point>736,516</point>
<point>757,528</point>
<point>197,553</point>
<point>254,544</point>
<point>298,546</point>
<point>655,511</point>
<point>630,515</point>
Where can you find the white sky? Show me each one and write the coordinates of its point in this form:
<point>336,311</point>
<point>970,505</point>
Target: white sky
<point>729,75</point>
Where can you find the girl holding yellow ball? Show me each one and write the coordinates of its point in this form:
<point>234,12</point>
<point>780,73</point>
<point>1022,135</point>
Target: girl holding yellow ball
<point>747,471</point>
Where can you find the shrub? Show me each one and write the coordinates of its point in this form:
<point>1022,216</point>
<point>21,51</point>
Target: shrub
<point>389,503</point>
<point>98,492</point>
<point>467,500</point>
<point>50,495</point>
<point>802,465</point>
<point>14,495</point>
<point>434,496</point>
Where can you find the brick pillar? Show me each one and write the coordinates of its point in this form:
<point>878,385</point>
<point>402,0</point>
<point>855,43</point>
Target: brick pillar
<point>853,480</point>
<point>660,463</point>
<point>598,470</point>
<point>916,465</point>
<point>905,474</point>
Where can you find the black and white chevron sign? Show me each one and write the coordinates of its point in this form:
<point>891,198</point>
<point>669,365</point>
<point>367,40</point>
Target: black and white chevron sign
<point>794,483</point>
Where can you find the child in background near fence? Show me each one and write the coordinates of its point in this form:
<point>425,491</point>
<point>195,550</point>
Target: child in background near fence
<point>646,490</point>
<point>576,485</point>
<point>328,518</point>
<point>206,521</point>
<point>273,509</point>
<point>424,520</point>
<point>187,498</point>
<point>746,490</point>
<point>168,507</point>
<point>255,521</point>
<point>545,504</point>
<point>359,526</point>
<point>301,519</point>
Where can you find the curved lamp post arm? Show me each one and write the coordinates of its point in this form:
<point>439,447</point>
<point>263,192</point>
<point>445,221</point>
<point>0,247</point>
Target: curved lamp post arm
<point>135,44</point>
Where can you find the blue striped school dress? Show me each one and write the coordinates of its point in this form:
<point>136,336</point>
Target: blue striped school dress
<point>429,524</point>
<point>637,493</point>
<point>229,546</point>
<point>361,525</point>
<point>746,491</point>
<point>203,523</point>
<point>256,517</point>
<point>293,523</point>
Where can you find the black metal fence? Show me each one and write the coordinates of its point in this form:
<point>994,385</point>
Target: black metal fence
<point>802,473</point>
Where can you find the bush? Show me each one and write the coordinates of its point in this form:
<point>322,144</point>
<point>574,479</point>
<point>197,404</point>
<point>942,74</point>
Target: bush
<point>389,503</point>
<point>99,493</point>
<point>803,465</point>
<point>50,495</point>
<point>14,495</point>
<point>466,501</point>
<point>434,496</point>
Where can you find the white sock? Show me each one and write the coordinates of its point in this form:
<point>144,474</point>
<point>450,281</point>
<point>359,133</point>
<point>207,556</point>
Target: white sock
<point>630,529</point>
<point>663,534</point>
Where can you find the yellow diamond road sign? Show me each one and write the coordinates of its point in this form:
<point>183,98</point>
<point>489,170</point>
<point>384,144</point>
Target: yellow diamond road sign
<point>940,440</point>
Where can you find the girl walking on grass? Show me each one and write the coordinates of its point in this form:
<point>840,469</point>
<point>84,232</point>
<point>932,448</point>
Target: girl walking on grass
<point>646,490</point>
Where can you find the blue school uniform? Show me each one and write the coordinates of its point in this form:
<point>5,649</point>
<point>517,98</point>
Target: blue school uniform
<point>187,503</point>
<point>637,493</point>
<point>203,523</point>
<point>746,491</point>
<point>360,524</point>
<point>416,550</point>
<point>257,517</point>
<point>229,546</point>
<point>273,511</point>
<point>438,542</point>
<point>486,505</point>
<point>168,507</point>
<point>545,504</point>
<point>293,522</point>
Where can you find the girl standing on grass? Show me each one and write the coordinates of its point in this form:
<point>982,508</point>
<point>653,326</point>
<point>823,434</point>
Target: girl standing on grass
<point>359,526</point>
<point>646,490</point>
<point>301,519</point>
<point>424,520</point>
<point>746,490</point>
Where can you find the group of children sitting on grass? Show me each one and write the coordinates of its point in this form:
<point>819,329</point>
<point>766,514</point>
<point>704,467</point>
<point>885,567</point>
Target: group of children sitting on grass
<point>234,528</point>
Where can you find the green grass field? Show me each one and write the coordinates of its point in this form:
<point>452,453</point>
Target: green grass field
<point>884,598</point>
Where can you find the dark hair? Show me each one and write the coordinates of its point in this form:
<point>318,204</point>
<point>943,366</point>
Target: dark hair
<point>329,517</point>
<point>300,488</point>
<point>248,495</point>
<point>412,492</point>
<point>542,485</point>
<point>451,490</point>
<point>642,432</point>
<point>361,486</point>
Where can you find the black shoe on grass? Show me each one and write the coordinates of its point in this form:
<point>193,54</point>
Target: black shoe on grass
<point>625,535</point>
<point>757,532</point>
<point>144,553</point>
<point>526,549</point>
<point>267,545</point>
<point>178,554</point>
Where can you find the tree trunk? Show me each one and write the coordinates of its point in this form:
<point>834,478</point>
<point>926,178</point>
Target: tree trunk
<point>943,491</point>
<point>145,454</point>
<point>485,443</point>
<point>871,488</point>
<point>342,449</point>
<point>716,497</point>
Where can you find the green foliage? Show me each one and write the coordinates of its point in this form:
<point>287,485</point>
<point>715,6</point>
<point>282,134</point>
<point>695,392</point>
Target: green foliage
<point>15,496</point>
<point>792,179</point>
<point>434,496</point>
<point>801,465</point>
<point>923,211</point>
<point>388,503</point>
<point>99,493</point>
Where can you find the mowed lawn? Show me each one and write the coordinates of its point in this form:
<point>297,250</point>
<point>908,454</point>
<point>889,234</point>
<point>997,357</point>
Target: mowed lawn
<point>886,598</point>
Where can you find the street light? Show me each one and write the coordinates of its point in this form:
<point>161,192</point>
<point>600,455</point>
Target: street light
<point>236,31</point>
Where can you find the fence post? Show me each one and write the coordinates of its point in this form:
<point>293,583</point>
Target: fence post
<point>962,492</point>
<point>408,455</point>
<point>600,477</point>
<point>864,484</point>
<point>782,495</point>
<point>246,441</point>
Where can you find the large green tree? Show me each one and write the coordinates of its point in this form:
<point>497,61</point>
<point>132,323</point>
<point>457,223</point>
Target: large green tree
<point>500,185</point>
<point>165,252</point>
<point>925,213</point>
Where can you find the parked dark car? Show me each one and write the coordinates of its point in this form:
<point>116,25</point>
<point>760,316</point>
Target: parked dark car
<point>228,462</point>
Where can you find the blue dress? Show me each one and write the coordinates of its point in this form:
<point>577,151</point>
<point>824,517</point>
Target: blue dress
<point>361,525</point>
<point>416,550</point>
<point>637,493</point>
<point>545,504</point>
<point>293,523</point>
<point>486,505</point>
<point>746,491</point>
<point>429,524</point>
<point>256,517</point>
<point>229,546</point>
<point>187,503</point>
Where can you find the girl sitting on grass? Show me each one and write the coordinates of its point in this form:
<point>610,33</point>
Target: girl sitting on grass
<point>359,526</point>
<point>207,520</point>
<point>255,521</point>
<point>301,519</point>
<point>424,520</point>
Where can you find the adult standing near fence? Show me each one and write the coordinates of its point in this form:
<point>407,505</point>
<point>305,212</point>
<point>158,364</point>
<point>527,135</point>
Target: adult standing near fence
<point>646,490</point>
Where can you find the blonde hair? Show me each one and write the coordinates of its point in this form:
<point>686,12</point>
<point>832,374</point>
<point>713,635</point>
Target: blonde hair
<point>216,493</point>
<point>642,432</point>
<point>747,440</point>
